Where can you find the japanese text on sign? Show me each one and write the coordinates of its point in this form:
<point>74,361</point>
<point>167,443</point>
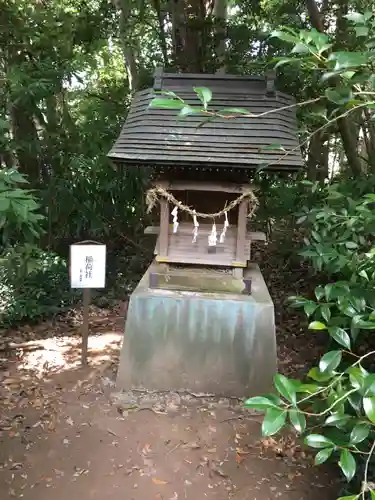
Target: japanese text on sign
<point>87,266</point>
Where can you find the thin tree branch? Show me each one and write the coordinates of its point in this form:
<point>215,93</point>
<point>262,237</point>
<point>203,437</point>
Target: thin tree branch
<point>365,477</point>
<point>103,98</point>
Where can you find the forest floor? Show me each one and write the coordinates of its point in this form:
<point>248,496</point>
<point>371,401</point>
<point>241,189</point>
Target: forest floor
<point>63,436</point>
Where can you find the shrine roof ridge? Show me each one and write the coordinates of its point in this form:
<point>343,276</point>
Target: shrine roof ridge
<point>155,137</point>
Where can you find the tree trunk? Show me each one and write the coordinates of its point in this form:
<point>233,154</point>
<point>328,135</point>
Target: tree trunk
<point>27,141</point>
<point>189,35</point>
<point>369,134</point>
<point>128,43</point>
<point>220,14</point>
<point>346,127</point>
<point>317,159</point>
<point>162,37</point>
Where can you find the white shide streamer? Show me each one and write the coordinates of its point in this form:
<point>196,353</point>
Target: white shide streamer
<point>212,237</point>
<point>195,230</point>
<point>175,219</point>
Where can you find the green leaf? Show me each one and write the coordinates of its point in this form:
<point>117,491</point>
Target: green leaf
<point>340,336</point>
<point>339,95</point>
<point>328,290</point>
<point>285,37</point>
<point>286,60</point>
<point>274,420</point>
<point>297,301</point>
<point>367,15</point>
<point>330,361</point>
<point>159,102</point>
<point>301,219</point>
<point>239,111</point>
<point>329,74</point>
<point>345,60</point>
<point>168,93</point>
<point>337,420</point>
<point>351,245</point>
<point>356,377</point>
<point>316,37</point>
<point>309,388</point>
<point>318,441</point>
<point>308,253</point>
<point>300,48</point>
<point>204,94</point>
<point>361,31</point>
<point>326,312</point>
<point>298,420</point>
<point>356,17</point>
<point>4,203</point>
<point>317,325</point>
<point>285,387</point>
<point>323,455</point>
<point>260,403</point>
<point>310,308</point>
<point>364,274</point>
<point>359,433</point>
<point>369,407</point>
<point>365,325</point>
<point>317,375</point>
<point>186,111</point>
<point>347,464</point>
<point>369,385</point>
<point>350,497</point>
<point>325,47</point>
<point>319,292</point>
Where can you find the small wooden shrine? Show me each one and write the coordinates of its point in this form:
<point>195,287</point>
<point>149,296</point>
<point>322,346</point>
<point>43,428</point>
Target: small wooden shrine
<point>205,169</point>
<point>202,188</point>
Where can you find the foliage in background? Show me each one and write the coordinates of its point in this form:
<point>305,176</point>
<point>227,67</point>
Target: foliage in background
<point>20,219</point>
<point>68,70</point>
<point>42,292</point>
<point>335,408</point>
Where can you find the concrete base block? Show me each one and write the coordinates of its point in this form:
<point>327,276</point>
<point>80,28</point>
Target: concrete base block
<point>203,342</point>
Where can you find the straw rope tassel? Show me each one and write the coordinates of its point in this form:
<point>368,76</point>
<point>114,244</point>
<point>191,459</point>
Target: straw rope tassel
<point>226,225</point>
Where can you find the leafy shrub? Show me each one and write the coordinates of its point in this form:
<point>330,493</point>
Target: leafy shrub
<point>42,292</point>
<point>335,408</point>
<point>19,217</point>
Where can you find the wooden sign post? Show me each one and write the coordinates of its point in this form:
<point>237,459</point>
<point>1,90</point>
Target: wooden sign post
<point>87,270</point>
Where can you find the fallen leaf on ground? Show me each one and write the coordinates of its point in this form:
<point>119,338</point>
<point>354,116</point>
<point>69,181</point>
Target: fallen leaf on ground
<point>159,481</point>
<point>218,471</point>
<point>241,451</point>
<point>146,449</point>
<point>194,445</point>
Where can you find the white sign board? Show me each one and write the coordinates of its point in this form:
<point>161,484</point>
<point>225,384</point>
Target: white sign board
<point>87,266</point>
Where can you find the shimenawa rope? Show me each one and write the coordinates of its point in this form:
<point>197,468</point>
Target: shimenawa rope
<point>157,192</point>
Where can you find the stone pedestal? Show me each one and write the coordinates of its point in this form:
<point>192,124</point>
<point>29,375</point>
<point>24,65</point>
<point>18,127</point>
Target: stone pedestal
<point>204,342</point>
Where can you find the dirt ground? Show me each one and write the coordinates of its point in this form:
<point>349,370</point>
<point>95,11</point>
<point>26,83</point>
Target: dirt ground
<point>64,435</point>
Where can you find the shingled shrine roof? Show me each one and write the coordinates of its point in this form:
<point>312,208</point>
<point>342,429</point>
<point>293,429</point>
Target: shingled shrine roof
<point>155,137</point>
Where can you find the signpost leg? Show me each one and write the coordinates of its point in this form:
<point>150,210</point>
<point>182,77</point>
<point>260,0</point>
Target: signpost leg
<point>85,325</point>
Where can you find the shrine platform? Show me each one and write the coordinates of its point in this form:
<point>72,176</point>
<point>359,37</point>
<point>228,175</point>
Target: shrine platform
<point>221,343</point>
